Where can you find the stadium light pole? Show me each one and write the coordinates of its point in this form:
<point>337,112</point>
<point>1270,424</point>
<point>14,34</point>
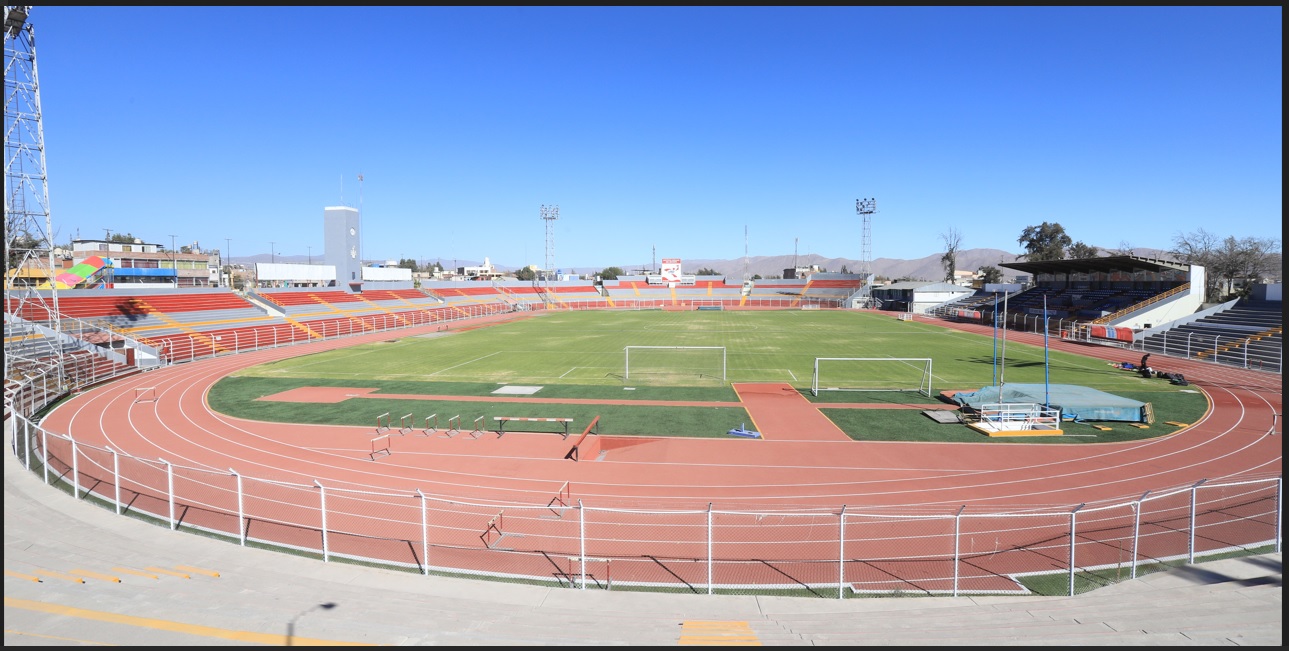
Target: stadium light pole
<point>174,261</point>
<point>310,254</point>
<point>272,253</point>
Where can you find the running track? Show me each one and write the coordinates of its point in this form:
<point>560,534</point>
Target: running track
<point>1229,442</point>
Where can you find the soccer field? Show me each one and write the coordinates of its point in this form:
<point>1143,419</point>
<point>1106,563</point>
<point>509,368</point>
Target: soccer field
<point>582,354</point>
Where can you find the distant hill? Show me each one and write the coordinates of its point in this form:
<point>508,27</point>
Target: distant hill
<point>927,268</point>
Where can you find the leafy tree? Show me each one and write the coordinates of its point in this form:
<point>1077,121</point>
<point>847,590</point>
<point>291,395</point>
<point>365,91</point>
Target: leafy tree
<point>1044,242</point>
<point>705,271</point>
<point>525,273</point>
<point>121,238</point>
<point>952,240</point>
<point>407,263</point>
<point>756,276</point>
<point>1081,251</point>
<point>844,269</point>
<point>611,273</point>
<point>990,274</point>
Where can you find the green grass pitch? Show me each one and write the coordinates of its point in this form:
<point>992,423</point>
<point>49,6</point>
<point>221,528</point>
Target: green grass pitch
<point>580,354</point>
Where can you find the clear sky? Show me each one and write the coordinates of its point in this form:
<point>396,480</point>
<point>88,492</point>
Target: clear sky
<point>700,133</point>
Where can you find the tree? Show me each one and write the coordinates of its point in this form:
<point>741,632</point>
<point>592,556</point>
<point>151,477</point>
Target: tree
<point>1044,242</point>
<point>990,274</point>
<point>611,273</point>
<point>952,240</point>
<point>1081,251</point>
<point>705,271</point>
<point>844,269</point>
<point>407,263</point>
<point>1199,248</point>
<point>525,273</point>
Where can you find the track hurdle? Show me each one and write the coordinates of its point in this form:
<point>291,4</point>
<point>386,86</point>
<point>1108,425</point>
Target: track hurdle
<point>562,498</point>
<point>584,443</point>
<point>382,423</point>
<point>502,420</point>
<point>453,427</point>
<point>406,424</point>
<point>478,428</point>
<point>380,446</point>
<point>496,528</point>
<point>431,429</point>
<point>145,394</point>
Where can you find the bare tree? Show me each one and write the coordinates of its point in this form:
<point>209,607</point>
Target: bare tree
<point>952,241</point>
<point>1199,248</point>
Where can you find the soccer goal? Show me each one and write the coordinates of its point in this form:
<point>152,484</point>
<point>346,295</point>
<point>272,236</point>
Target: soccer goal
<point>872,374</point>
<point>662,362</point>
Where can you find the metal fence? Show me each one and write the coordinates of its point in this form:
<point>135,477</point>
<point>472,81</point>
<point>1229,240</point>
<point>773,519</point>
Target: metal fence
<point>832,553</point>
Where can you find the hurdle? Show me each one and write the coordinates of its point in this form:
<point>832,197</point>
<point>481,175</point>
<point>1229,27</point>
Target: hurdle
<point>382,422</point>
<point>453,427</point>
<point>406,425</point>
<point>145,394</point>
<point>431,429</point>
<point>562,498</point>
<point>584,575</point>
<point>495,526</point>
<point>478,428</point>
<point>584,445</point>
<point>502,420</point>
<point>380,446</point>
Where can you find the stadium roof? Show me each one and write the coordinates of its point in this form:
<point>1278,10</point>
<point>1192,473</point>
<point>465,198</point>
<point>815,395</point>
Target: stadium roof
<point>1125,263</point>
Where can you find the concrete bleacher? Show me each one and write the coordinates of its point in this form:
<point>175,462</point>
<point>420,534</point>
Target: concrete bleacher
<point>1250,334</point>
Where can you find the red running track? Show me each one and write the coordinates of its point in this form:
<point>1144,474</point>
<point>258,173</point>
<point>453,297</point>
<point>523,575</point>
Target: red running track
<point>1230,442</point>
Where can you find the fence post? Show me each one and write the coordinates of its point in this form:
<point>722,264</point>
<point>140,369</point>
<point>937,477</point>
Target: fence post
<point>841,552</point>
<point>1280,493</point>
<point>116,480</point>
<point>170,491</point>
<point>322,501</point>
<point>425,537</point>
<point>957,545</point>
<point>1073,524</point>
<point>581,537</point>
<point>1190,546</point>
<point>1136,531</point>
<point>709,548</point>
<point>76,474</point>
<point>44,452</point>
<point>241,510</point>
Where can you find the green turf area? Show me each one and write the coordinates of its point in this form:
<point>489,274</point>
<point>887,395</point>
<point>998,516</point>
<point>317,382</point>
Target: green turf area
<point>579,355</point>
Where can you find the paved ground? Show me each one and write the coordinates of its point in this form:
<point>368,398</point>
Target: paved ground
<point>168,594</point>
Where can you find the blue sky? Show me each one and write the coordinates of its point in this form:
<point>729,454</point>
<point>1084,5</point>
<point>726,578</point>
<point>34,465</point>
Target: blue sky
<point>699,133</point>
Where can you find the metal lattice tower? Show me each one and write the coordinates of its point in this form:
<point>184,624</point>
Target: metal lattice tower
<point>549,215</point>
<point>28,232</point>
<point>865,208</point>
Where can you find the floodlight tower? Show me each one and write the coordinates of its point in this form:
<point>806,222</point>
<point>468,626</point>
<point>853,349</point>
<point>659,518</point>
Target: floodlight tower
<point>28,232</point>
<point>865,208</point>
<point>549,215</point>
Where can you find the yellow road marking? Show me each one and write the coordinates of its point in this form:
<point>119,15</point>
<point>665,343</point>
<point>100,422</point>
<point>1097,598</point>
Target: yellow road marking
<point>10,631</point>
<point>197,570</point>
<point>59,575</point>
<point>20,575</point>
<point>175,627</point>
<point>95,575</point>
<point>162,570</point>
<point>134,572</point>
<point>717,633</point>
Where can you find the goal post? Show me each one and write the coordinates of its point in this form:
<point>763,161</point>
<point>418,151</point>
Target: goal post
<point>872,374</point>
<point>676,361</point>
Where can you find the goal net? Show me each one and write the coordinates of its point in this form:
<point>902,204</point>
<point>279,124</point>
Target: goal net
<point>674,362</point>
<point>872,374</point>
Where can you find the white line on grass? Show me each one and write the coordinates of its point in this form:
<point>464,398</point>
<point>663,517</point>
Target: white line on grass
<point>466,363</point>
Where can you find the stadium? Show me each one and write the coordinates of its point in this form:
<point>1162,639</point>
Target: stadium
<point>661,432</point>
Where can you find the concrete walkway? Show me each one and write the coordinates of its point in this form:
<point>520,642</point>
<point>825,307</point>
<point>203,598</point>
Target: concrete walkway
<point>107,579</point>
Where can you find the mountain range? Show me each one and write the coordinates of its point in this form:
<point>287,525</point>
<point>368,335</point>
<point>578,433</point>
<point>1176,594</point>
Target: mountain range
<point>928,268</point>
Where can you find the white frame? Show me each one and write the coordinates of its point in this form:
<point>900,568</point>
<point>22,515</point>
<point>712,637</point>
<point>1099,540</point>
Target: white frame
<point>924,388</point>
<point>626,372</point>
